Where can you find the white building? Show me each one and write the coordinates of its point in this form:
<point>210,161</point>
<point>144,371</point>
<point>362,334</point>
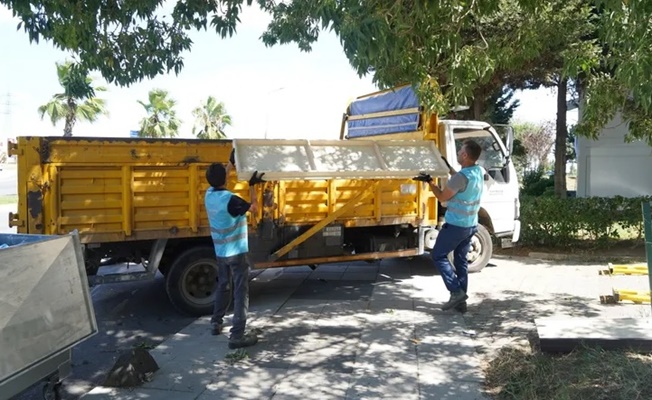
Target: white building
<point>610,167</point>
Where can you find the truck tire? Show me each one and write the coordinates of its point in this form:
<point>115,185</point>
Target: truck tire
<point>190,281</point>
<point>480,252</point>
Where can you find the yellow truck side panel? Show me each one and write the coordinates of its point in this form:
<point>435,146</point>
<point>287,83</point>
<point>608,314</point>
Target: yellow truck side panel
<point>133,189</point>
<point>312,201</point>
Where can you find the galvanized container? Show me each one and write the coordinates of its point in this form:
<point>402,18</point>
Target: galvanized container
<point>45,309</point>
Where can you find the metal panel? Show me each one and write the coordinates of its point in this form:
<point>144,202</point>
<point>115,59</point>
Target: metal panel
<point>647,224</point>
<point>45,304</point>
<point>618,171</point>
<point>333,159</point>
<point>609,166</point>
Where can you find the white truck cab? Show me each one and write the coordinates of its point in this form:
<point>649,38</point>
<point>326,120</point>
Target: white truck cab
<point>500,206</point>
<point>500,197</point>
<point>397,114</point>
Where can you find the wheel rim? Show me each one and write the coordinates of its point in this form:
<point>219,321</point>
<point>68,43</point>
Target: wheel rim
<point>198,282</point>
<point>475,250</point>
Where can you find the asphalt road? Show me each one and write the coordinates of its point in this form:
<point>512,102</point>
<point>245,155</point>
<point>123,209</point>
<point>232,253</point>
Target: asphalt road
<point>8,179</point>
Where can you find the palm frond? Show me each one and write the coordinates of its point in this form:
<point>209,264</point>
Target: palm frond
<point>77,101</point>
<point>210,119</point>
<point>55,109</point>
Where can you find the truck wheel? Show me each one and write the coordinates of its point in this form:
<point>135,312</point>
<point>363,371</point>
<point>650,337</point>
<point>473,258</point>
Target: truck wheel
<point>52,390</point>
<point>190,281</point>
<point>480,252</point>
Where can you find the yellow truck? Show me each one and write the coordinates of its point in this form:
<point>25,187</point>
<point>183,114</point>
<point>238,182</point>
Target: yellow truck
<point>142,200</point>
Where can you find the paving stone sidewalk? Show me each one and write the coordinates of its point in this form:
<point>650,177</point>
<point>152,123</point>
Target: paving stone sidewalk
<point>361,331</point>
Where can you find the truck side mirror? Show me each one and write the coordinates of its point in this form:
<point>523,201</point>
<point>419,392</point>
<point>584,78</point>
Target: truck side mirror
<point>505,172</point>
<point>510,150</point>
<point>510,140</point>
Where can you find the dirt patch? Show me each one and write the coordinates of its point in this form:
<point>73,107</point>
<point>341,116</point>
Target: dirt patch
<point>625,249</point>
<point>587,373</point>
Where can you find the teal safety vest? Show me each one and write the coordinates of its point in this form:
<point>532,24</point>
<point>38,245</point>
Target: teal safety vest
<point>229,233</point>
<point>462,209</point>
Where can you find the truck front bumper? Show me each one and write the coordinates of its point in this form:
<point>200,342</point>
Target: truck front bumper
<point>517,231</point>
<point>508,239</point>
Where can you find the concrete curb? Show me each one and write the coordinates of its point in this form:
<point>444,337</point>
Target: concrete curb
<point>583,257</point>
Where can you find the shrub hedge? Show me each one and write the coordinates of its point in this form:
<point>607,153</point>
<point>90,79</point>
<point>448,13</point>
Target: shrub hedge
<point>550,221</point>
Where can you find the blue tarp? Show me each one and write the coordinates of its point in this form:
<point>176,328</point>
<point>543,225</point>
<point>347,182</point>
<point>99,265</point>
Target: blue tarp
<point>399,99</point>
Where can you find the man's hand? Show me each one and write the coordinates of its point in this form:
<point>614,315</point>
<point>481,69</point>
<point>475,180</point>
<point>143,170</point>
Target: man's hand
<point>423,177</point>
<point>256,179</point>
<point>451,171</point>
<point>232,158</point>
<point>446,162</point>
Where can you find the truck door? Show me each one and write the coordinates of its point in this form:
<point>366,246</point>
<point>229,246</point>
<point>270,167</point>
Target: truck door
<point>501,185</point>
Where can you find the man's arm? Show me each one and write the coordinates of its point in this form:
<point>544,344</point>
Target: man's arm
<point>238,206</point>
<point>442,195</point>
<point>254,200</point>
<point>455,184</point>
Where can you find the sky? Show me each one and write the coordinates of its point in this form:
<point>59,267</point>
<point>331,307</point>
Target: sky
<point>277,92</point>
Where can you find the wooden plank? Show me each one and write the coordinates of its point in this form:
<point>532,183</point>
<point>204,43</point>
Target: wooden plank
<point>89,204</point>
<point>413,110</point>
<point>626,269</point>
<point>564,334</point>
<point>87,189</point>
<point>95,173</point>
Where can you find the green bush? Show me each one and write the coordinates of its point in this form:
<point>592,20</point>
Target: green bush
<point>550,221</point>
<point>535,184</point>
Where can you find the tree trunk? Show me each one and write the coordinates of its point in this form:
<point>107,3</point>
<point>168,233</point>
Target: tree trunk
<point>70,118</point>
<point>70,122</point>
<point>479,107</point>
<point>560,139</point>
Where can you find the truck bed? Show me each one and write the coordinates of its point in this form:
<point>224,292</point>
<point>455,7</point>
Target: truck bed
<point>114,190</point>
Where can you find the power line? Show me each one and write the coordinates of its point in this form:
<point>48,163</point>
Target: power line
<point>6,108</point>
<point>7,104</point>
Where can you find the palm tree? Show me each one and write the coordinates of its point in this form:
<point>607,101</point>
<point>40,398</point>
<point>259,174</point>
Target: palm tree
<point>210,119</point>
<point>161,120</point>
<point>77,102</point>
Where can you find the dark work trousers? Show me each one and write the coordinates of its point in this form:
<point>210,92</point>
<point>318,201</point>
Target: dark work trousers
<point>232,281</point>
<point>458,240</point>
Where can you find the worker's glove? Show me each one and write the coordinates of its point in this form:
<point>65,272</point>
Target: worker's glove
<point>232,158</point>
<point>423,177</point>
<point>256,178</point>
<point>446,162</point>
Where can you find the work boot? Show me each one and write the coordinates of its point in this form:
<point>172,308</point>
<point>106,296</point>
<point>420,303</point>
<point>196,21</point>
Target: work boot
<point>456,298</point>
<point>461,308</point>
<point>216,328</point>
<point>246,340</point>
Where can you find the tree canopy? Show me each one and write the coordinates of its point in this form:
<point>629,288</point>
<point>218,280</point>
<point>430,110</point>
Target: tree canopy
<point>211,119</point>
<point>161,120</point>
<point>459,45</point>
<point>77,102</point>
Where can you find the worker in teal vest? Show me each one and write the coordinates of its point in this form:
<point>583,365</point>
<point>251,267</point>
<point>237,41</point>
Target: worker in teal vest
<point>228,222</point>
<point>462,195</point>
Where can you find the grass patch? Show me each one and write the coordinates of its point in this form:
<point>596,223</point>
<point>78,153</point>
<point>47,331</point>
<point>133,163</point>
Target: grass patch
<point>236,356</point>
<point>618,252</point>
<point>587,373</point>
<point>144,345</point>
<point>9,199</point>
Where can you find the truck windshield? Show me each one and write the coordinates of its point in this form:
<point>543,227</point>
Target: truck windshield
<point>492,158</point>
